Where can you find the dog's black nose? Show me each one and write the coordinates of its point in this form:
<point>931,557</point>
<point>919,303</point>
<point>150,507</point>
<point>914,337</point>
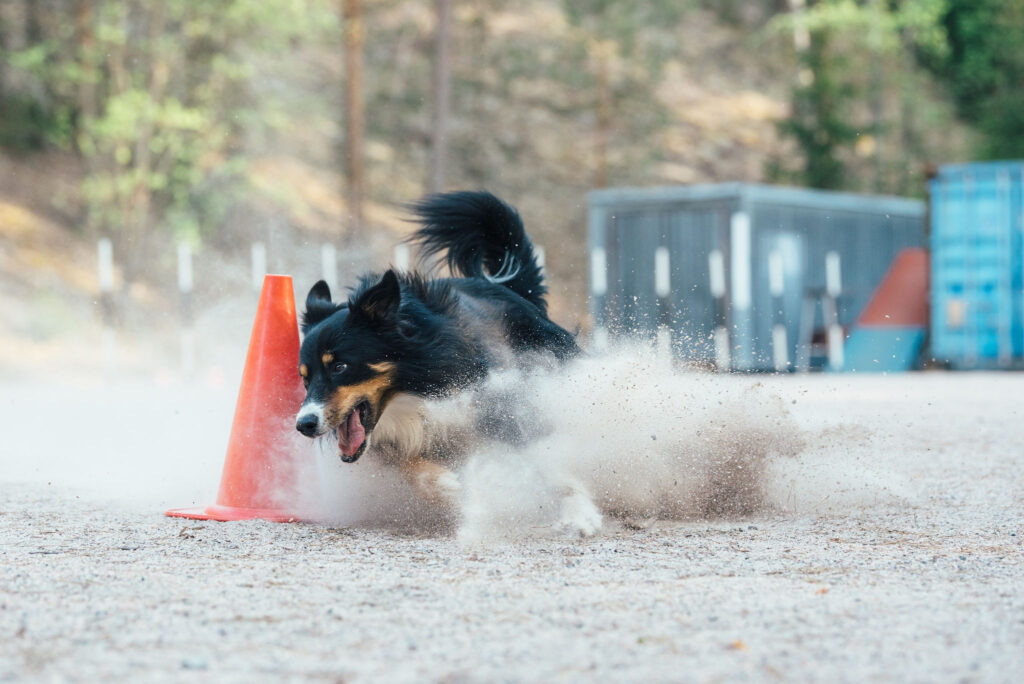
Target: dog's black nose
<point>307,425</point>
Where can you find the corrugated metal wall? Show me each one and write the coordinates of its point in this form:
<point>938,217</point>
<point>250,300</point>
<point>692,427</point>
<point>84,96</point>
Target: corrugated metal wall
<point>977,218</point>
<point>746,224</point>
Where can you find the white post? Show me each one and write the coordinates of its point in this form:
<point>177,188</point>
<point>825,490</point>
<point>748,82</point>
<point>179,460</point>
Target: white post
<point>723,354</point>
<point>598,288</point>
<point>834,287</point>
<point>259,265</point>
<point>740,290</point>
<point>833,279</point>
<point>598,272</point>
<point>780,347</point>
<point>185,284</point>
<point>716,274</point>
<point>662,276</point>
<point>776,284</point>
<point>105,262</point>
<point>105,254</point>
<point>716,271</point>
<point>662,288</point>
<point>401,259</point>
<point>776,280</point>
<point>329,265</point>
<point>184,268</point>
<point>835,347</point>
<point>740,233</point>
<point>104,259</point>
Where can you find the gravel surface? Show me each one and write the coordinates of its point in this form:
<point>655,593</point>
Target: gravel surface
<point>95,584</point>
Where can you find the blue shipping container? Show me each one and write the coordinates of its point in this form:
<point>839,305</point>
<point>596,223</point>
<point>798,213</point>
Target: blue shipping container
<point>977,238</point>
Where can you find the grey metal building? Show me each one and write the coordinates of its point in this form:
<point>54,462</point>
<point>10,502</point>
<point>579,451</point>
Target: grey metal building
<point>770,268</point>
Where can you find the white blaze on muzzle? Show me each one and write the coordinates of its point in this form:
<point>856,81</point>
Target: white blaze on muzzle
<point>316,410</point>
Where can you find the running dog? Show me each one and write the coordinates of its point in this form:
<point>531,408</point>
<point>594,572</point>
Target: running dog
<point>402,339</point>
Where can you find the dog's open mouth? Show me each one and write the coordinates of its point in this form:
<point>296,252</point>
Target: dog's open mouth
<point>352,433</point>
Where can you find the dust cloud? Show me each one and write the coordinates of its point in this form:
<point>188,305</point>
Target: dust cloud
<point>642,439</point>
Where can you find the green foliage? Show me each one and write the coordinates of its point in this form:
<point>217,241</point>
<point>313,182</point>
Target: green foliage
<point>29,120</point>
<point>985,68</point>
<point>820,120</point>
<point>868,111</point>
<point>976,48</point>
<point>25,124</point>
<point>157,97</point>
<point>170,103</point>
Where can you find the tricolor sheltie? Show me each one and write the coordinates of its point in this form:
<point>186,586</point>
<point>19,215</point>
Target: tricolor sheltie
<point>401,339</point>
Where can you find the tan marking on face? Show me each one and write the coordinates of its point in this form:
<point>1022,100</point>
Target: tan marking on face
<point>303,371</point>
<point>327,358</point>
<point>377,391</point>
<point>382,367</point>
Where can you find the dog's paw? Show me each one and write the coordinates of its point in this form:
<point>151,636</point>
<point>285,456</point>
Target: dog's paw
<point>579,516</point>
<point>638,524</point>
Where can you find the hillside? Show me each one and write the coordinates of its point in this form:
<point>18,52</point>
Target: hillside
<point>544,107</point>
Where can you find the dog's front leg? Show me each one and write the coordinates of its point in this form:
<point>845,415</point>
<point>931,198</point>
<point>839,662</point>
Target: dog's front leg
<point>433,481</point>
<point>578,514</point>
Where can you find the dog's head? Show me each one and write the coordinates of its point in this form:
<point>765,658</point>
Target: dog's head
<point>347,363</point>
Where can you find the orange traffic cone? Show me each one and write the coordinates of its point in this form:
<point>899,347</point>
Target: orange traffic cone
<point>261,477</point>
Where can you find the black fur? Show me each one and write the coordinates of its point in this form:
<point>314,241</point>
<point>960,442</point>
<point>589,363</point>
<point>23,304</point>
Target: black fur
<point>428,337</point>
<point>484,238</point>
<point>318,305</point>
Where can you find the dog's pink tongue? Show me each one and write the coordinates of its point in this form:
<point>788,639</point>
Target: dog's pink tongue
<point>354,434</point>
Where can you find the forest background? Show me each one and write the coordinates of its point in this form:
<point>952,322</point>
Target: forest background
<point>303,122</point>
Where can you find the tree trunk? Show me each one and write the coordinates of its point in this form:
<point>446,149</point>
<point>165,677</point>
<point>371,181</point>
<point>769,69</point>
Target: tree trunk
<point>439,120</point>
<point>85,97</point>
<point>33,22</point>
<point>875,103</point>
<point>137,220</point>
<point>3,60</point>
<point>354,112</point>
<point>604,116</point>
<point>801,36</point>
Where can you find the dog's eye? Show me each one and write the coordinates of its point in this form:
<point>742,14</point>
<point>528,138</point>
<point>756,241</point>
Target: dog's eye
<point>338,367</point>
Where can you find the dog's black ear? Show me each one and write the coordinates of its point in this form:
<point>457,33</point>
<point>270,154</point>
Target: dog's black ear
<point>319,291</point>
<point>379,303</point>
<point>318,306</point>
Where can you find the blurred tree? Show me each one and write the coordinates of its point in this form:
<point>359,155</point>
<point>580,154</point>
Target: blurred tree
<point>602,52</point>
<point>624,59</point>
<point>441,90</point>
<point>28,120</point>
<point>171,103</point>
<point>86,58</point>
<point>820,107</point>
<point>862,114</point>
<point>154,96</point>
<point>985,68</point>
<point>354,33</point>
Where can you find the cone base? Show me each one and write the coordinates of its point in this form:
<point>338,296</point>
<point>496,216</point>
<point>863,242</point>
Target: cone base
<point>229,513</point>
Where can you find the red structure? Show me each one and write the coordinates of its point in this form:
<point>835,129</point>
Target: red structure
<point>902,297</point>
<point>890,331</point>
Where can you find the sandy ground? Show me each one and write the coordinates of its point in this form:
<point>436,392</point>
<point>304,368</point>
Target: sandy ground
<point>95,584</point>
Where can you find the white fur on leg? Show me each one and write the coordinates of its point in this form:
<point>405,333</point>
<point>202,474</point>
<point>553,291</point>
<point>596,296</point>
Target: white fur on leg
<point>448,486</point>
<point>578,514</point>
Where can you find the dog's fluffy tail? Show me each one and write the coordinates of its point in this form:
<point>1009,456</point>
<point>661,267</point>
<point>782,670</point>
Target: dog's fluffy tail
<point>484,238</point>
